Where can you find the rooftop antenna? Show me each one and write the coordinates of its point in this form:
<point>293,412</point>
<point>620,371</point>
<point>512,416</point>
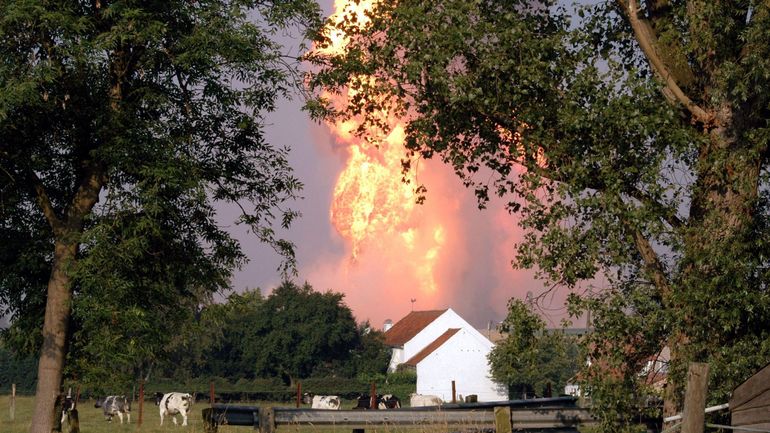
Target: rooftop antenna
<point>413,301</point>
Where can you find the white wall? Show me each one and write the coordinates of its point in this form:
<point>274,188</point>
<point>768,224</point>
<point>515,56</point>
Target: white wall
<point>448,320</point>
<point>462,358</point>
<point>396,357</point>
<point>573,390</point>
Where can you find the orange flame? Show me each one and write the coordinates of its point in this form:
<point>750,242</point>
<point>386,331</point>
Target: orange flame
<point>371,202</point>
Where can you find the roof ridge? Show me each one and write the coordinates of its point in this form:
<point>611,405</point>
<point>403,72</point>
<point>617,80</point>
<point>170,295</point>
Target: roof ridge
<point>430,348</point>
<point>411,325</point>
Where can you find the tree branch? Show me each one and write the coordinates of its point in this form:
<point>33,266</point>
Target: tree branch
<point>652,263</point>
<point>672,219</point>
<point>86,195</point>
<point>532,164</point>
<point>44,201</point>
<point>647,42</point>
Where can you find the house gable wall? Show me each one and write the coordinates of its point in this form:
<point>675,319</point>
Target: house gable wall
<point>448,320</point>
<point>462,358</point>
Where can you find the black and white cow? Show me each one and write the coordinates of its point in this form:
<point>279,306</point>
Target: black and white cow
<point>322,401</point>
<point>173,403</point>
<point>115,405</point>
<point>363,402</point>
<point>422,400</point>
<point>66,406</point>
<point>388,401</point>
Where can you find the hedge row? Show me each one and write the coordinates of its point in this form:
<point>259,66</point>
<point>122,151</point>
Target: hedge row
<point>400,384</point>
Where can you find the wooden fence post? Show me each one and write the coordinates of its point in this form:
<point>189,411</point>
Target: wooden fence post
<point>141,403</point>
<point>373,396</point>
<point>209,422</point>
<point>211,393</point>
<point>454,392</point>
<point>503,422</point>
<point>266,420</point>
<point>693,415</point>
<point>299,392</point>
<point>13,402</point>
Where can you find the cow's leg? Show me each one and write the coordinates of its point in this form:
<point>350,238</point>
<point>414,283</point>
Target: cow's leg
<point>161,417</point>
<point>184,418</point>
<point>174,418</point>
<point>128,417</point>
<point>120,415</point>
<point>63,417</point>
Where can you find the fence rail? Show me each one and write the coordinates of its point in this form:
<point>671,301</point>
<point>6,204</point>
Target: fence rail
<point>539,414</point>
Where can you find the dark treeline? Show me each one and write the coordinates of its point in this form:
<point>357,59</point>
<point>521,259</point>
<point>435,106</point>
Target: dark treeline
<point>251,343</point>
<point>292,334</point>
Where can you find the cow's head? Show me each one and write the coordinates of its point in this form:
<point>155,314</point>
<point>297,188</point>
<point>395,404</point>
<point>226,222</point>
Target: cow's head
<point>99,402</point>
<point>158,398</point>
<point>307,397</point>
<point>67,404</point>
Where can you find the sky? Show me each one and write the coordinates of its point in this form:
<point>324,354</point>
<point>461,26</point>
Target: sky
<point>445,253</point>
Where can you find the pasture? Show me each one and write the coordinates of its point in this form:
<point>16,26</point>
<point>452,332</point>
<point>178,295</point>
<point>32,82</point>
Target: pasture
<point>458,419</point>
<point>92,419</point>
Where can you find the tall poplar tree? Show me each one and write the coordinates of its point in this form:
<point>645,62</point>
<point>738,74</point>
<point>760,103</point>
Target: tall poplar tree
<point>122,124</point>
<point>629,138</point>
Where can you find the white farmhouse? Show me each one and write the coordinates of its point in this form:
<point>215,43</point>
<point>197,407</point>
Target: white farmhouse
<point>442,347</point>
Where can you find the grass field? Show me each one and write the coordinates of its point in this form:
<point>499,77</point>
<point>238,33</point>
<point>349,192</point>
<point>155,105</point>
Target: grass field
<point>92,420</point>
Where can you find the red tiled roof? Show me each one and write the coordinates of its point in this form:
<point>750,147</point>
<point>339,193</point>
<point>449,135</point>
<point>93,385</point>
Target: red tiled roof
<point>406,328</point>
<point>413,361</point>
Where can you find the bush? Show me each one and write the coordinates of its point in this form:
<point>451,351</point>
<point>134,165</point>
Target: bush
<point>403,377</point>
<point>19,370</point>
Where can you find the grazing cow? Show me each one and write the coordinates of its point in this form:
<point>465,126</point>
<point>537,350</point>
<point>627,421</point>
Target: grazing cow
<point>363,402</point>
<point>173,403</point>
<point>322,401</point>
<point>388,401</point>
<point>421,400</point>
<point>115,405</point>
<point>66,406</point>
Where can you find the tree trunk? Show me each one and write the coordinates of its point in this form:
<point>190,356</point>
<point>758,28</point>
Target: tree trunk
<point>55,327</point>
<point>721,211</point>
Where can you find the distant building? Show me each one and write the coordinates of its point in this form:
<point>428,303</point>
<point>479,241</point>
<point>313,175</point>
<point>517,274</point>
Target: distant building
<point>653,373</point>
<point>442,347</point>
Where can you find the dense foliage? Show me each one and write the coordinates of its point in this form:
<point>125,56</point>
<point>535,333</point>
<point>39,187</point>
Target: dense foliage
<point>630,139</point>
<point>21,371</point>
<point>125,125</point>
<point>220,344</point>
<point>292,334</point>
<point>530,359</point>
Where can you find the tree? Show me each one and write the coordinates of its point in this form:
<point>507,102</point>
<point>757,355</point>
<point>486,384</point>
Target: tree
<point>235,320</point>
<point>299,331</point>
<point>630,139</point>
<point>531,358</point>
<point>123,124</point>
<point>372,355</point>
<point>17,370</point>
<point>229,339</point>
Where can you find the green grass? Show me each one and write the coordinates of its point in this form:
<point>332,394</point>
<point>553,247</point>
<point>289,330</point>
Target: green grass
<point>92,420</point>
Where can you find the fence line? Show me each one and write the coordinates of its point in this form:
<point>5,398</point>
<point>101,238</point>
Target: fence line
<point>536,415</point>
